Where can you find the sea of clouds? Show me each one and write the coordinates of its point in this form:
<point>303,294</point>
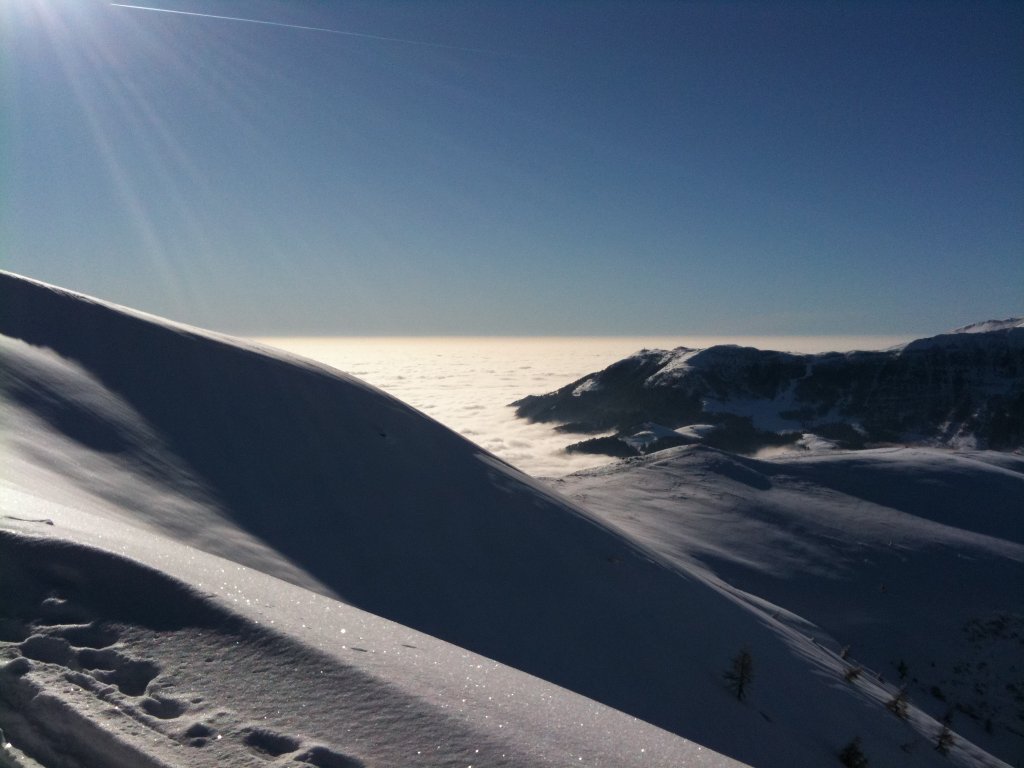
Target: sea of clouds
<point>468,383</point>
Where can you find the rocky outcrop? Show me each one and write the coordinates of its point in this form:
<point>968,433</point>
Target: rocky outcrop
<point>960,388</point>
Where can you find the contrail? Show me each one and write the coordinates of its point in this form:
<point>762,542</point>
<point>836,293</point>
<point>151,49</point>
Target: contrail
<point>315,29</point>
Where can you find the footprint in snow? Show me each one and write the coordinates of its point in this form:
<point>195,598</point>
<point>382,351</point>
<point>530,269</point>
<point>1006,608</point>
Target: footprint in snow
<point>322,757</point>
<point>164,707</point>
<point>51,650</point>
<point>199,734</point>
<point>270,743</point>
<point>92,635</point>
<point>131,676</point>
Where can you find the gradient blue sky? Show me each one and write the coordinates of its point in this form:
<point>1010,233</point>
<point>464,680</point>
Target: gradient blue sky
<point>532,168</point>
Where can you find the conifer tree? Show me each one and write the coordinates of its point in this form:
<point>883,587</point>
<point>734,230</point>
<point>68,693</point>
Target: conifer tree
<point>852,756</point>
<point>740,673</point>
<point>898,704</point>
<point>944,740</point>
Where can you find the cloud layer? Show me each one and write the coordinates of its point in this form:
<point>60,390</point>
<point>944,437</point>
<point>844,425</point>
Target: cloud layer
<point>468,383</point>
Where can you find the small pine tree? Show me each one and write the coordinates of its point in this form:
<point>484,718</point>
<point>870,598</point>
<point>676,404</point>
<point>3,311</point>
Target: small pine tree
<point>739,674</point>
<point>898,704</point>
<point>944,740</point>
<point>902,669</point>
<point>852,756</point>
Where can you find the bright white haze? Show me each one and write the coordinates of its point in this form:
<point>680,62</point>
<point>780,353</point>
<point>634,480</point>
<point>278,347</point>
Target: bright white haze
<point>467,383</point>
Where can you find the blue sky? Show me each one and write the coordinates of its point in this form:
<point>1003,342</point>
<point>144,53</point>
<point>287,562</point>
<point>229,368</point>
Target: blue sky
<point>520,168</point>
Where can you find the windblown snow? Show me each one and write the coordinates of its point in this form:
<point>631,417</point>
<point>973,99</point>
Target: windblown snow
<point>216,554</point>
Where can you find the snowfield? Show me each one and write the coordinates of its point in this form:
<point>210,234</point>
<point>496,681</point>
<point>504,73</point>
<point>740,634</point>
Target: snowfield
<point>909,561</point>
<point>212,553</point>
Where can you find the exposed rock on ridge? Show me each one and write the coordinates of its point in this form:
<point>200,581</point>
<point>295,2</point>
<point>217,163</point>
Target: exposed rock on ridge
<point>960,388</point>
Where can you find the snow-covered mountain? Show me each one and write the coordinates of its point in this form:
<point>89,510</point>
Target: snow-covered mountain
<point>991,325</point>
<point>965,388</point>
<point>215,554</point>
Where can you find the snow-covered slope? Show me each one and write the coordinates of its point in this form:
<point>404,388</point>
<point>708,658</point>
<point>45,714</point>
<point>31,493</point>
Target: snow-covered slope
<point>207,499</point>
<point>964,388</point>
<point>912,559</point>
<point>991,325</point>
<point>108,662</point>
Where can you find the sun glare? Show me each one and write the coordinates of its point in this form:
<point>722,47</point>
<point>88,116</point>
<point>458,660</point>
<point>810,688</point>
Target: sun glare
<point>110,63</point>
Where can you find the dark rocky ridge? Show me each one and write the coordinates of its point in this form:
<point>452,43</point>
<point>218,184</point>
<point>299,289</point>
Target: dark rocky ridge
<point>960,388</point>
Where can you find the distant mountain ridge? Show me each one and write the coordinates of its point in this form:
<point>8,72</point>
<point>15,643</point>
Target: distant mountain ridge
<point>991,325</point>
<point>963,388</point>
